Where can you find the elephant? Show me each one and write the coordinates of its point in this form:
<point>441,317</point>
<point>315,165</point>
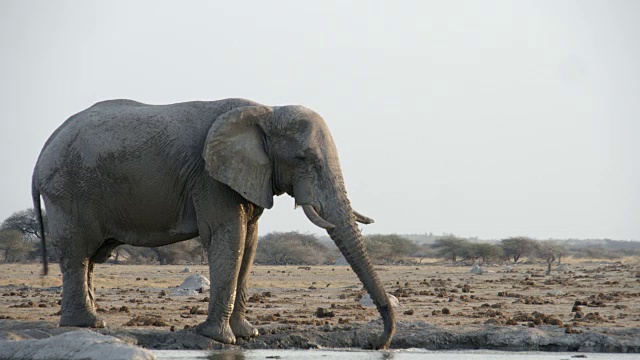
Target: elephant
<point>125,172</point>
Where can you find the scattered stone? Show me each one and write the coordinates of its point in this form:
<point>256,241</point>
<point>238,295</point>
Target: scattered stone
<point>186,270</point>
<point>563,267</point>
<point>476,270</point>
<point>367,301</point>
<point>146,320</point>
<point>193,285</point>
<point>322,313</point>
<point>556,293</point>
<point>593,317</point>
<point>28,304</point>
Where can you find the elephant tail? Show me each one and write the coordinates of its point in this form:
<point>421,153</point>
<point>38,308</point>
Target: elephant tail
<point>35,194</point>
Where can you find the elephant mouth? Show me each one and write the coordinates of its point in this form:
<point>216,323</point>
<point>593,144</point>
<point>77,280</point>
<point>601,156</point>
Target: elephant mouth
<point>303,194</point>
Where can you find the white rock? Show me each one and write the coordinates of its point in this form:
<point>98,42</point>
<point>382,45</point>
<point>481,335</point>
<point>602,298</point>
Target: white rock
<point>79,344</point>
<point>186,270</point>
<point>190,286</point>
<point>476,270</point>
<point>183,292</point>
<point>556,293</point>
<point>367,301</point>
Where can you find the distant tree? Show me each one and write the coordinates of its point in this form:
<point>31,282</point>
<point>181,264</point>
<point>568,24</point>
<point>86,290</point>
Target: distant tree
<point>292,248</point>
<point>128,254</point>
<point>425,251</point>
<point>562,250</point>
<point>469,251</point>
<point>166,255</point>
<point>190,251</point>
<point>451,246</point>
<point>13,246</point>
<point>488,252</point>
<point>26,222</point>
<point>516,247</point>
<point>548,250</point>
<point>389,248</point>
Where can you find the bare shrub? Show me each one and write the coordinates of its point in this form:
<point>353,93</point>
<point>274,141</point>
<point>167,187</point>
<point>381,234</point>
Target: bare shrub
<point>292,248</point>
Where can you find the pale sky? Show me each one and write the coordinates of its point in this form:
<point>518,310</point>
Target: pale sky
<point>479,118</point>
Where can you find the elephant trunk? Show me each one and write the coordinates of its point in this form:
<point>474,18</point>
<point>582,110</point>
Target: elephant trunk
<point>336,211</point>
<point>348,238</point>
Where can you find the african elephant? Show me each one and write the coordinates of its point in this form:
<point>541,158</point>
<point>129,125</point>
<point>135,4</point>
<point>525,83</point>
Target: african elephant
<point>124,172</point>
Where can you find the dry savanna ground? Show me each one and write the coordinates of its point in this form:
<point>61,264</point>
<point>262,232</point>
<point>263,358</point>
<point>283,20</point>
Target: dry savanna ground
<point>596,295</point>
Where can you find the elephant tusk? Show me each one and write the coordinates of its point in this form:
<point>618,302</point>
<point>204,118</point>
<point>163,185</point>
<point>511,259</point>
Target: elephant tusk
<point>316,219</point>
<point>362,219</point>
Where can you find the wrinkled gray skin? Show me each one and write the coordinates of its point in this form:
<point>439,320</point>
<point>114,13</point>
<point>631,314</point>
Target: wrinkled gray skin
<point>123,172</point>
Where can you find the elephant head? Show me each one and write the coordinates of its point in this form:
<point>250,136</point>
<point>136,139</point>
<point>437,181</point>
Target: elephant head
<point>261,151</point>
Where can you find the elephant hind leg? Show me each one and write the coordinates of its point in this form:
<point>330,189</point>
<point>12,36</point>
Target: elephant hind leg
<point>78,300</point>
<point>77,305</point>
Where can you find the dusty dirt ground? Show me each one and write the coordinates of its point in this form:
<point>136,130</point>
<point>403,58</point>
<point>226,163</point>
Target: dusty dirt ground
<point>583,297</point>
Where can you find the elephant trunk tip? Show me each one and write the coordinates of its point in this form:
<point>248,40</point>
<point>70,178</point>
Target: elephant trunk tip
<point>389,321</point>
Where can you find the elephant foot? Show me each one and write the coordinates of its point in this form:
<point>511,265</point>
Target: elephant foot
<point>242,328</point>
<point>85,319</point>
<point>217,332</point>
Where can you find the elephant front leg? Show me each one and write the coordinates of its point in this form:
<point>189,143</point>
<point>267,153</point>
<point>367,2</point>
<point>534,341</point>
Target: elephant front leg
<point>226,248</point>
<point>240,326</point>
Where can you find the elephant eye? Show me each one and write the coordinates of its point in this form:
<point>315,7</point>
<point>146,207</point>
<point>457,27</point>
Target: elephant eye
<point>300,158</point>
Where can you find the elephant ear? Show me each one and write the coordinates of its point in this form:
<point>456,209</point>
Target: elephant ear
<point>235,154</point>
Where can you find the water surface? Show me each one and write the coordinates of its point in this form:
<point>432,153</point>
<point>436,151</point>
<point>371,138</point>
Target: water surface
<point>410,354</point>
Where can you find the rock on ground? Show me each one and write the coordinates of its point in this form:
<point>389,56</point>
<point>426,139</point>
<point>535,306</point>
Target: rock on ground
<point>191,285</point>
<point>78,344</point>
<point>368,301</point>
